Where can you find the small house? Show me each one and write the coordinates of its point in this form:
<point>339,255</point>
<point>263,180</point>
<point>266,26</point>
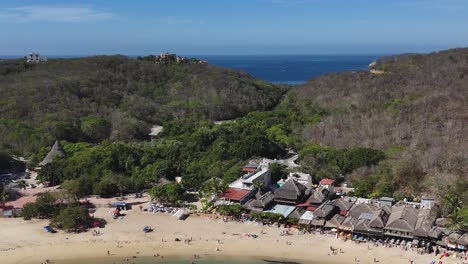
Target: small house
<point>237,195</point>
<point>284,210</point>
<point>327,183</point>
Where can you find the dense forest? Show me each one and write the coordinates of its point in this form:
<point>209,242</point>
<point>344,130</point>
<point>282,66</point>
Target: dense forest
<point>413,107</point>
<point>398,130</point>
<point>117,98</point>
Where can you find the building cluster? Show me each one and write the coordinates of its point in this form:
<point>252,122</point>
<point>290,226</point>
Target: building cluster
<point>171,58</point>
<point>35,58</point>
<point>325,207</point>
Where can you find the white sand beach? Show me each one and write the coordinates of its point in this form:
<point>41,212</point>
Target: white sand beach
<point>26,241</point>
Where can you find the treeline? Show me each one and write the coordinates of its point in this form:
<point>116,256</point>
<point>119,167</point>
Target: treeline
<point>196,149</point>
<point>9,165</point>
<point>116,98</point>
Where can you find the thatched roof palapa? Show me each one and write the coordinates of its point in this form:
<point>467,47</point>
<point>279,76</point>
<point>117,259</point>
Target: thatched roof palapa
<point>335,222</point>
<point>403,219</point>
<point>55,151</point>
<point>291,192</point>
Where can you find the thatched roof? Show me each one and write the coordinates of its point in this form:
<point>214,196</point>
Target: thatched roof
<point>55,151</point>
<point>263,201</point>
<point>324,210</point>
<point>335,222</point>
<point>426,219</point>
<point>297,213</point>
<point>403,218</point>
<point>343,204</point>
<point>380,217</point>
<point>453,237</point>
<point>319,196</point>
<point>290,191</point>
<point>358,209</point>
<point>435,233</point>
<point>463,240</point>
<point>348,223</point>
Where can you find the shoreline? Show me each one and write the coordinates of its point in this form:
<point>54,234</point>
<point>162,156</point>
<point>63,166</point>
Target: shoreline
<point>26,242</point>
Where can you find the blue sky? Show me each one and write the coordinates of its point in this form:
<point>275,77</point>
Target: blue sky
<point>83,27</point>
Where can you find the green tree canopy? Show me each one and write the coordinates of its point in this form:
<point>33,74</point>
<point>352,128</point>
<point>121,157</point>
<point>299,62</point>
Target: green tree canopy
<point>71,218</point>
<point>96,128</point>
<point>170,193</point>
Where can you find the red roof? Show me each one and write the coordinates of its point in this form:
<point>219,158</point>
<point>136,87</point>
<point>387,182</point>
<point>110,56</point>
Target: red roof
<point>343,212</point>
<point>306,204</point>
<point>249,169</point>
<point>327,181</point>
<point>311,208</point>
<point>234,194</point>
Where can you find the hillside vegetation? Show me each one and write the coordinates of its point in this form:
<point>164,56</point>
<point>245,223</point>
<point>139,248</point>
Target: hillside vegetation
<point>117,98</point>
<point>415,110</point>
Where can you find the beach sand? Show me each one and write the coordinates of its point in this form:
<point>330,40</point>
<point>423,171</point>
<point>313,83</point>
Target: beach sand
<point>26,242</point>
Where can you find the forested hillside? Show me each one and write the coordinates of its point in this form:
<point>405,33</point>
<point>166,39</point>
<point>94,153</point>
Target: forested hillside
<point>412,107</point>
<point>399,130</point>
<point>117,98</point>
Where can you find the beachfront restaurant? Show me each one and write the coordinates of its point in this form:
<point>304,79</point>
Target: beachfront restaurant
<point>456,241</point>
<point>284,210</point>
<point>237,195</point>
<point>291,193</point>
<point>306,219</point>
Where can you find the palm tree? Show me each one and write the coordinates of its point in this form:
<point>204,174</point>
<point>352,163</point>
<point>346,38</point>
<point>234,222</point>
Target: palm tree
<point>3,198</point>
<point>454,219</point>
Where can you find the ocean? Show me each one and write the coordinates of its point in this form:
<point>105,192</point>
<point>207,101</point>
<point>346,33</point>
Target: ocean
<point>292,69</point>
<point>288,69</point>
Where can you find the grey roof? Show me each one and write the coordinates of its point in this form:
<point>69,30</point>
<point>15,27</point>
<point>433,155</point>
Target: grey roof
<point>55,151</point>
<point>324,210</point>
<point>441,222</point>
<point>357,209</point>
<point>403,218</point>
<point>318,222</point>
<point>387,199</point>
<point>319,196</point>
<point>435,232</point>
<point>263,201</point>
<point>308,215</point>
<point>284,210</point>
<point>348,223</point>
<point>343,204</point>
<point>335,222</point>
<point>453,237</point>
<point>291,191</point>
<point>380,217</point>
<point>426,219</point>
<point>362,225</point>
<point>463,240</point>
<point>359,217</point>
<point>297,213</point>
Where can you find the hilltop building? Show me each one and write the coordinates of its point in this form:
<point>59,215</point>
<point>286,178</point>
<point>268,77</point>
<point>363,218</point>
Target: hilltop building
<point>35,58</point>
<point>172,58</point>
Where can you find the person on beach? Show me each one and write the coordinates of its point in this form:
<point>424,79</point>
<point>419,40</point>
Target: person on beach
<point>108,253</point>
